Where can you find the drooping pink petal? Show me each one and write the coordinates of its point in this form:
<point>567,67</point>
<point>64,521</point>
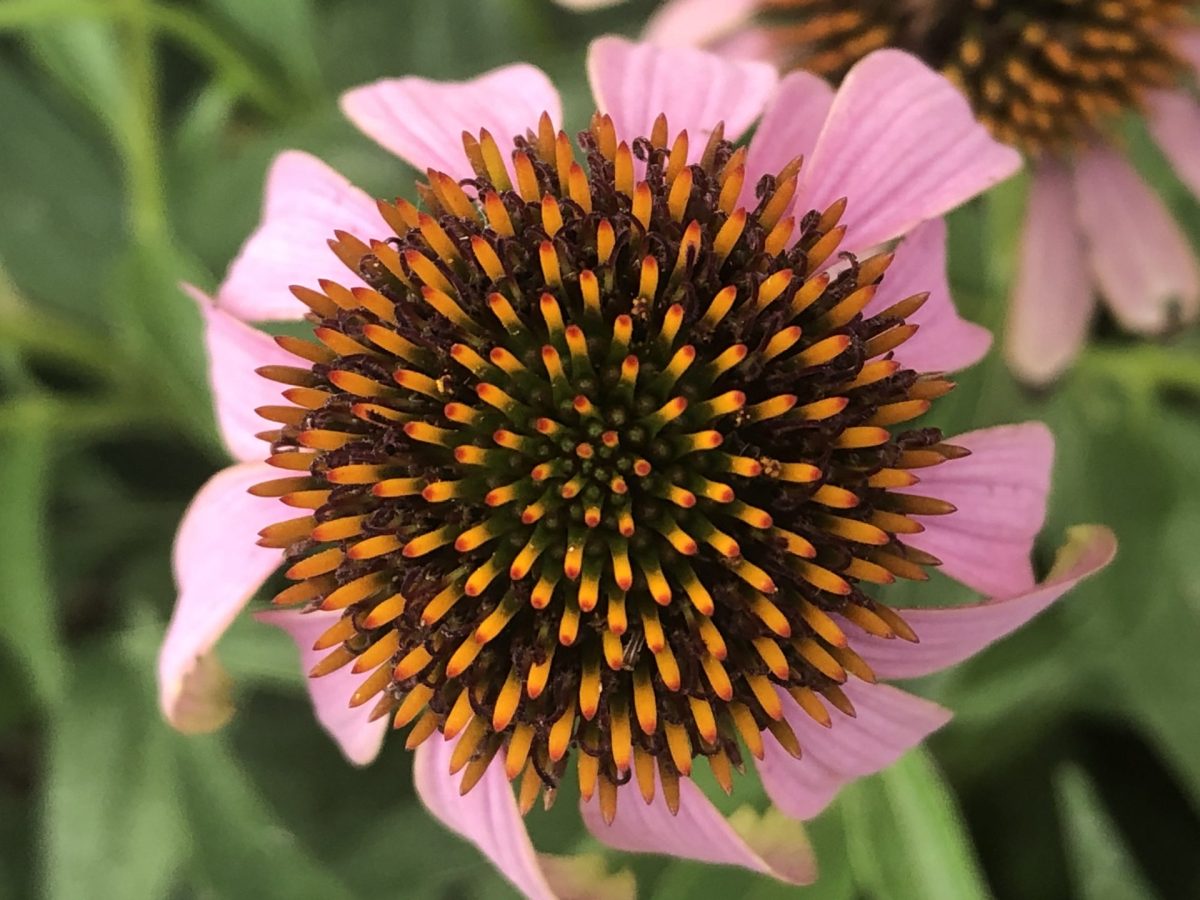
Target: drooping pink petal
<point>789,128</point>
<point>945,341</point>
<point>1052,299</point>
<point>1000,491</point>
<point>888,723</point>
<point>218,567</point>
<point>697,23</point>
<point>1142,259</point>
<point>306,201</point>
<point>903,145</point>
<point>235,350</point>
<point>698,831</point>
<point>634,83</point>
<point>1174,120</point>
<point>487,815</point>
<point>422,121</point>
<point>358,738</point>
<point>950,635</point>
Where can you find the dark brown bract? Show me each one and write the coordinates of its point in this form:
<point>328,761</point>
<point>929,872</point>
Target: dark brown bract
<point>599,459</point>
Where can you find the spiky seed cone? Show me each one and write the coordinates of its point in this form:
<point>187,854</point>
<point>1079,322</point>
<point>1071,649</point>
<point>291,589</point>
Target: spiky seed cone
<point>1041,74</point>
<point>599,460</point>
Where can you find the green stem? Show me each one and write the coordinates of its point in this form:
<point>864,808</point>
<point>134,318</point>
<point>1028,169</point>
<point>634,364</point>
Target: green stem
<point>142,150</point>
<point>190,30</point>
<point>75,418</point>
<point>1144,368</point>
<point>42,336</point>
<point>237,72</point>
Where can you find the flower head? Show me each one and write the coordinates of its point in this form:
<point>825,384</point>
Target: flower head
<point>1052,79</point>
<point>602,448</point>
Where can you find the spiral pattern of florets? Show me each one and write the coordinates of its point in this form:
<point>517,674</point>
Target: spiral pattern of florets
<point>598,459</point>
<point>1043,75</point>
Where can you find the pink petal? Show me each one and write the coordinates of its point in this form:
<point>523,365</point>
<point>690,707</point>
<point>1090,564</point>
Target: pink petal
<point>1052,300</point>
<point>422,121</point>
<point>1000,491</point>
<point>788,129</point>
<point>695,23</point>
<point>1174,120</point>
<point>487,815</point>
<point>902,144</point>
<point>698,831</point>
<point>889,723</point>
<point>634,83</point>
<point>951,634</point>
<point>753,43</point>
<point>1187,44</point>
<point>306,201</point>
<point>1142,259</point>
<point>358,738</point>
<point>218,567</point>
<point>945,341</point>
<point>235,350</point>
<point>587,5</point>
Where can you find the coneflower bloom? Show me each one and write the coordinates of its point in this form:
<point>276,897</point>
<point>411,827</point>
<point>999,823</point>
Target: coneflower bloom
<point>1052,78</point>
<point>602,449</point>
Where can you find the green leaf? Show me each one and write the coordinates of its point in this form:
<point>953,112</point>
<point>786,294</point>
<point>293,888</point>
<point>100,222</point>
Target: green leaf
<point>111,824</point>
<point>240,847</point>
<point>906,838</point>
<point>1102,867</point>
<point>161,333</point>
<point>63,225</point>
<point>84,56</point>
<point>28,607</point>
<point>1152,667</point>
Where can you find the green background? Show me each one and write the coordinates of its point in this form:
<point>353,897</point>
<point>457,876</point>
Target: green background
<point>134,137</point>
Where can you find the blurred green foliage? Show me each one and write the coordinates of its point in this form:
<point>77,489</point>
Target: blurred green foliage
<point>135,136</point>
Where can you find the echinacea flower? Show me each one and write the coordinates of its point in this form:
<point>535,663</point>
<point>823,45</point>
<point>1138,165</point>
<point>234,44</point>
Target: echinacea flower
<point>602,450</point>
<point>1053,78</point>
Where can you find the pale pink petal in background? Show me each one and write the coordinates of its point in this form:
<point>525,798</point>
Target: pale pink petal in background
<point>235,350</point>
<point>753,43</point>
<point>358,738</point>
<point>587,5</point>
<point>950,635</point>
<point>1174,120</point>
<point>423,121</point>
<point>1052,300</point>
<point>945,341</point>
<point>1142,260</point>
<point>889,722</point>
<point>694,23</point>
<point>1187,43</point>
<point>902,144</point>
<point>218,567</point>
<point>788,129</point>
<point>1000,491</point>
<point>305,202</point>
<point>634,83</point>
<point>698,831</point>
<point>487,815</point>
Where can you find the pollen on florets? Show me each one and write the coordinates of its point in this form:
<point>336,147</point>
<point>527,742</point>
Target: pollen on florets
<point>599,457</point>
<point>1041,74</point>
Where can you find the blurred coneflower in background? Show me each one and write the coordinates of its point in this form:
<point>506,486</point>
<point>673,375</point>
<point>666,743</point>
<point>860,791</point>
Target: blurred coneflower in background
<point>1055,80</point>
